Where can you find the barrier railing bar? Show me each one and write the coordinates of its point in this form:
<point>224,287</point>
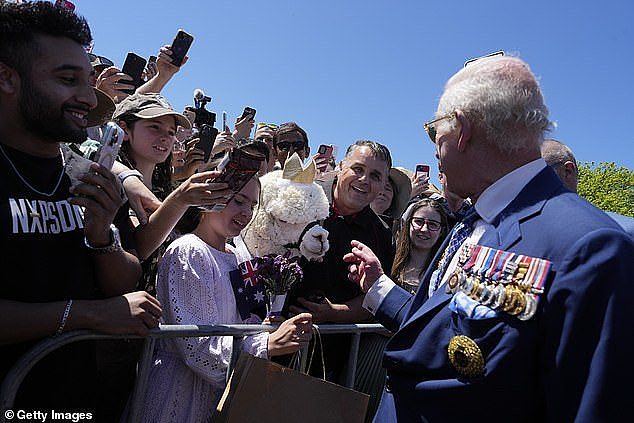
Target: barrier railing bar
<point>18,372</point>
<point>143,374</point>
<point>352,360</point>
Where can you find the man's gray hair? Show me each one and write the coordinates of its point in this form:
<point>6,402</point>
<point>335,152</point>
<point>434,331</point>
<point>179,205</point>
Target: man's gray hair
<point>380,151</point>
<point>501,97</point>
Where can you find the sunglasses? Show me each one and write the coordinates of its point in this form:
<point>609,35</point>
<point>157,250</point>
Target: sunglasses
<point>268,125</point>
<point>286,145</point>
<point>432,225</point>
<point>430,126</point>
<point>497,53</point>
<point>99,60</point>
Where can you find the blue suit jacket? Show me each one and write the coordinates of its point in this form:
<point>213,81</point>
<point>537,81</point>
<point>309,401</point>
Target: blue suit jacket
<point>573,360</point>
<point>625,222</point>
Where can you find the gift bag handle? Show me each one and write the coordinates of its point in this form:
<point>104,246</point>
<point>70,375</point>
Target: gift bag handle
<point>295,362</point>
<point>318,340</point>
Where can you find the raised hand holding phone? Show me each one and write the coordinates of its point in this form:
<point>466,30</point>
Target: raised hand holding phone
<point>323,157</point>
<point>421,170</point>
<point>244,124</point>
<point>420,181</point>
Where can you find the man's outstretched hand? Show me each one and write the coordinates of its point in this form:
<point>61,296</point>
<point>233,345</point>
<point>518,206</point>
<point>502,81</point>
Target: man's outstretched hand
<point>364,268</point>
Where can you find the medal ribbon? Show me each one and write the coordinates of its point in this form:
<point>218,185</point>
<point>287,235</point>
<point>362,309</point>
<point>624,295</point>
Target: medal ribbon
<point>472,258</point>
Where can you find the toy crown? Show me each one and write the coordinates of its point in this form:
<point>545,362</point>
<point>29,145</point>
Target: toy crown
<point>296,172</point>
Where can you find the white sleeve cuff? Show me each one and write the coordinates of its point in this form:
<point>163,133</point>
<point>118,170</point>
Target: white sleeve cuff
<point>377,293</point>
<point>127,173</point>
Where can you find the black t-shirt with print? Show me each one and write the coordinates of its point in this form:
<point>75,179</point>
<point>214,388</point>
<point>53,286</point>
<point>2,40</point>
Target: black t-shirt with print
<point>45,260</point>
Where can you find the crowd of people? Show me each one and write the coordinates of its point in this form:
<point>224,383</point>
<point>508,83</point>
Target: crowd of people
<point>502,285</point>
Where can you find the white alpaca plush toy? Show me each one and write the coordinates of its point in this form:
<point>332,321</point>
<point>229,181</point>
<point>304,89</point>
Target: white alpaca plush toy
<point>286,219</point>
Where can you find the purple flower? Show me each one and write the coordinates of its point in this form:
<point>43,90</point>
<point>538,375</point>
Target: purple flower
<point>278,273</point>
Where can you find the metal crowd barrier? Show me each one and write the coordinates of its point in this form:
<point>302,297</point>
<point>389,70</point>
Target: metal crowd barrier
<point>18,372</point>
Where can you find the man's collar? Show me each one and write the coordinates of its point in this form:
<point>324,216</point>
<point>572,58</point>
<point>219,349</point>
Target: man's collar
<point>499,195</point>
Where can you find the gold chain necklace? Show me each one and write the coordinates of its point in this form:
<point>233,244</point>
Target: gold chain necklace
<point>17,172</point>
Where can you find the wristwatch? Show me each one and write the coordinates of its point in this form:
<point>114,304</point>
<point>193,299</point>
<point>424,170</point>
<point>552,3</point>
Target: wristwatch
<point>115,243</point>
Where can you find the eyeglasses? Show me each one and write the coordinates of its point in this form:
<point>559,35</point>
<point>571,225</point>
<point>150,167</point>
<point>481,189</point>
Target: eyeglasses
<point>432,225</point>
<point>99,60</point>
<point>497,53</point>
<point>286,145</point>
<point>265,139</point>
<point>430,128</point>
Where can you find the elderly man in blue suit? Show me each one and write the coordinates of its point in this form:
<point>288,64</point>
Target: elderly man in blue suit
<point>526,314</point>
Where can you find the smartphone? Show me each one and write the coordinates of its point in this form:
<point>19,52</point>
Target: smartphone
<point>248,111</point>
<point>180,46</point>
<point>421,169</point>
<point>326,151</point>
<point>225,126</point>
<point>133,66</point>
<point>152,59</point>
<point>207,135</point>
<point>110,143</point>
<point>238,167</point>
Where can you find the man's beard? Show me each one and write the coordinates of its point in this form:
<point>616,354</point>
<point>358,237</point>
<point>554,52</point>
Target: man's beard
<point>43,118</point>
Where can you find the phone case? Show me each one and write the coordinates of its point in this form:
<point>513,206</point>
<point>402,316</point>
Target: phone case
<point>248,111</point>
<point>180,46</point>
<point>207,136</point>
<point>421,168</point>
<point>238,167</point>
<point>111,141</point>
<point>325,151</point>
<point>133,66</point>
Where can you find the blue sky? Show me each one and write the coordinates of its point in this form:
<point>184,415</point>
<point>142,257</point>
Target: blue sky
<point>347,70</point>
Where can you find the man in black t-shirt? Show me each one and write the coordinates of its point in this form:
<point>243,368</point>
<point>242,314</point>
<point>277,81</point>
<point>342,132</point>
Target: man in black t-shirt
<point>64,267</point>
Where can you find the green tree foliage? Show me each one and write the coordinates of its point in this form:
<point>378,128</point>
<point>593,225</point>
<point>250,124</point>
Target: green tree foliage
<point>607,186</point>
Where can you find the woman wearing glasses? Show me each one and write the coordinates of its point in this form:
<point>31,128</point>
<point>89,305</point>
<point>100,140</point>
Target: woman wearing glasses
<point>424,228</point>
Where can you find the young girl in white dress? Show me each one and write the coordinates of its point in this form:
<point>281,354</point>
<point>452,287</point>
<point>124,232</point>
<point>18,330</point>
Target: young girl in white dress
<point>193,286</point>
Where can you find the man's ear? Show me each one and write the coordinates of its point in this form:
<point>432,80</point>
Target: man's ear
<point>307,151</point>
<point>9,80</point>
<point>465,130</point>
<point>570,170</point>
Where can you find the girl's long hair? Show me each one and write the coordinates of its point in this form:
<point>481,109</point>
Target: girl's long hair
<point>404,243</point>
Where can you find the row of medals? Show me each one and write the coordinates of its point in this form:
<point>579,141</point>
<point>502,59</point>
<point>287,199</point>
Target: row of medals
<point>510,293</point>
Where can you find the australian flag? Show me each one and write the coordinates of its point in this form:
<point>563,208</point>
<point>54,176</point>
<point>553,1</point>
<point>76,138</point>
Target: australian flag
<point>248,292</point>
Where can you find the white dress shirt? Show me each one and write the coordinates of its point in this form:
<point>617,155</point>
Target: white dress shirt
<point>491,203</point>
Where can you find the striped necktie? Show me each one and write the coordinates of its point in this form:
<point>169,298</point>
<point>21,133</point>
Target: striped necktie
<point>458,235</point>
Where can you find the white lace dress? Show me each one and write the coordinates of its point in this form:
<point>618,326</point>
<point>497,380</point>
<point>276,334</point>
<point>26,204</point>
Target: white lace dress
<point>188,375</point>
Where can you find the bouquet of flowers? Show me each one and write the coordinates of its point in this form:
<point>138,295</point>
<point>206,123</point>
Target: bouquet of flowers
<point>277,273</point>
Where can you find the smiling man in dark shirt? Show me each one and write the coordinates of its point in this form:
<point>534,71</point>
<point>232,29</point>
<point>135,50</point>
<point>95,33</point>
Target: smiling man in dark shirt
<point>333,298</point>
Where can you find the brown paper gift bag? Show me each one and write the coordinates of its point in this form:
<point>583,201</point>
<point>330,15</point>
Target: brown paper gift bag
<point>262,391</point>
